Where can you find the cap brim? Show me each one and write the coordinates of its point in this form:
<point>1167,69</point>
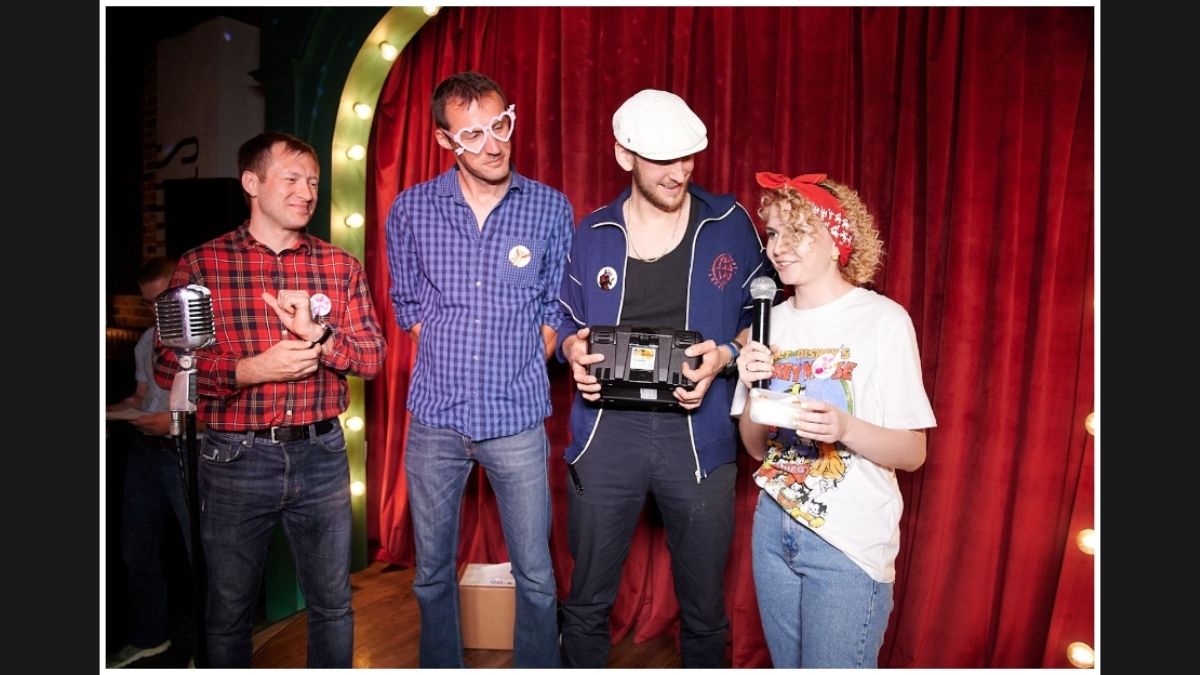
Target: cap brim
<point>663,156</point>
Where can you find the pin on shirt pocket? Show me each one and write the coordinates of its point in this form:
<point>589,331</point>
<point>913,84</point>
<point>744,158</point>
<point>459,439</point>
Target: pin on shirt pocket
<point>520,261</point>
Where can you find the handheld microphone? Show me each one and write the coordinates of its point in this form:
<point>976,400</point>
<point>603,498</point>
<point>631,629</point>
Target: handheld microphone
<point>762,290</point>
<point>184,317</point>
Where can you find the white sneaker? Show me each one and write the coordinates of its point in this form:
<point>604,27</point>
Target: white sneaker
<point>129,654</point>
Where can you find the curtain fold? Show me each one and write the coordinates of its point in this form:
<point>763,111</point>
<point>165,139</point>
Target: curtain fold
<point>969,134</point>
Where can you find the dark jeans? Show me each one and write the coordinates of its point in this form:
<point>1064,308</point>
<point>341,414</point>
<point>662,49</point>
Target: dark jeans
<point>153,489</point>
<point>249,484</point>
<point>631,454</point>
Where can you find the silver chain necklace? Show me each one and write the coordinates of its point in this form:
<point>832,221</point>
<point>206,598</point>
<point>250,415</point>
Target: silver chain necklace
<point>670,242</point>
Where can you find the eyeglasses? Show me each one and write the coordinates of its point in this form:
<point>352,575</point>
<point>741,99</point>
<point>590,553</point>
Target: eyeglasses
<point>472,139</point>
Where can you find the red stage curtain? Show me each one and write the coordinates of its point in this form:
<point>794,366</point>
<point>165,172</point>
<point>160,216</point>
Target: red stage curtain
<point>969,133</point>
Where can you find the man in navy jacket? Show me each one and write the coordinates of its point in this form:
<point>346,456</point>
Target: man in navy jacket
<point>665,253</point>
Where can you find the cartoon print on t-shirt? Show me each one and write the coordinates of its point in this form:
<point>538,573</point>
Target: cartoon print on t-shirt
<point>799,473</point>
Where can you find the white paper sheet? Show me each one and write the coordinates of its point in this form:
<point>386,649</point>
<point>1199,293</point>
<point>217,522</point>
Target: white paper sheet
<point>499,574</point>
<point>124,414</point>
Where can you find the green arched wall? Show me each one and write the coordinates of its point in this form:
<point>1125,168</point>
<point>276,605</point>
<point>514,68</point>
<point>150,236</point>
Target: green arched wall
<point>316,64</point>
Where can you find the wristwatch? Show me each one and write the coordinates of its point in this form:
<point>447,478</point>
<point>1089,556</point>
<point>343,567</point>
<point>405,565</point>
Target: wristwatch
<point>324,337</point>
<point>730,368</point>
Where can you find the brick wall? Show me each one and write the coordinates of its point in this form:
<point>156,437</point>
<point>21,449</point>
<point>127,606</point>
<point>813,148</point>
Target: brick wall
<point>129,314</point>
<point>153,230</point>
<point>128,311</point>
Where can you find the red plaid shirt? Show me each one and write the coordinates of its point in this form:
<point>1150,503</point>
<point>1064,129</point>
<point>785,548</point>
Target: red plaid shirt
<point>236,268</point>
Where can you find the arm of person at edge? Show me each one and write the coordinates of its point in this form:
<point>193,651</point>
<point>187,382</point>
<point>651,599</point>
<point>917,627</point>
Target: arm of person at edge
<point>152,424</point>
<point>133,400</point>
<point>902,449</point>
<point>155,424</point>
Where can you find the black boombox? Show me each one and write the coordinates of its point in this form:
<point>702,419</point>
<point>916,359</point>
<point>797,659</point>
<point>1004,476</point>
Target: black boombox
<point>642,366</point>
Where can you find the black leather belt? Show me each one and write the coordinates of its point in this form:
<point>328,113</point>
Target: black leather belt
<point>299,432</point>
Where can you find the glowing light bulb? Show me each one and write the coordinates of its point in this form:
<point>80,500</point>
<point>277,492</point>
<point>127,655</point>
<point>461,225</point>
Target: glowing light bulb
<point>1081,655</point>
<point>1091,423</point>
<point>388,51</point>
<point>363,111</point>
<point>431,10</point>
<point>1087,541</point>
<point>354,423</point>
<point>356,152</point>
<point>355,220</point>
<point>357,488</point>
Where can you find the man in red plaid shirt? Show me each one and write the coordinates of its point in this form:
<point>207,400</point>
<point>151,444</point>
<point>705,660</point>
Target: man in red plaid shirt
<point>293,317</point>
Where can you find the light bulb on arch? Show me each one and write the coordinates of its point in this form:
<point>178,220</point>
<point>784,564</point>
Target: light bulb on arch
<point>1081,655</point>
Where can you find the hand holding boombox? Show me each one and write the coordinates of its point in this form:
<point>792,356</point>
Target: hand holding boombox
<point>642,366</point>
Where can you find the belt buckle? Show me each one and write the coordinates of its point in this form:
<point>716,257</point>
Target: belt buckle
<point>273,439</point>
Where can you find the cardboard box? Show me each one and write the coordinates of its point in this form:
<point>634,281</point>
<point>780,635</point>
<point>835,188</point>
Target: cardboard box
<point>487,600</point>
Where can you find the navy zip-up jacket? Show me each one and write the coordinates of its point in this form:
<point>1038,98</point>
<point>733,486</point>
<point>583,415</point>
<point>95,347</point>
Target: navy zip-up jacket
<point>726,253</point>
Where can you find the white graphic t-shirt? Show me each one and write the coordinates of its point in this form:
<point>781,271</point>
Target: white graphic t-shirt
<point>859,353</point>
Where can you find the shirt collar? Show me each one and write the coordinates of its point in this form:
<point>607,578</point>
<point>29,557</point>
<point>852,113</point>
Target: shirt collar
<point>447,183</point>
<point>242,239</point>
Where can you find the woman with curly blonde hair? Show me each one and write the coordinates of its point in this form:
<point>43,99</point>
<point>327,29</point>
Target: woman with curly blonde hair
<point>824,543</point>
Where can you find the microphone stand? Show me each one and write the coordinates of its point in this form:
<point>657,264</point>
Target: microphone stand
<point>183,428</point>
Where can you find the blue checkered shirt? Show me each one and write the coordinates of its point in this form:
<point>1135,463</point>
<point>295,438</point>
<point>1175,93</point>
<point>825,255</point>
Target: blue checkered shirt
<point>481,297</point>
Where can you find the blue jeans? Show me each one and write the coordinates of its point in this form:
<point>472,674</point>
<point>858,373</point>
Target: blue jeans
<point>248,484</point>
<point>818,608</point>
<point>153,489</point>
<point>437,463</point>
<point>634,453</point>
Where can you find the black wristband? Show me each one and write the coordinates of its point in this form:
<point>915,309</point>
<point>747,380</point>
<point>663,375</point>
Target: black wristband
<point>323,339</point>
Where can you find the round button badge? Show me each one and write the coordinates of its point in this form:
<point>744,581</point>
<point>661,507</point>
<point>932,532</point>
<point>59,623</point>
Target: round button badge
<point>320,304</point>
<point>606,278</point>
<point>519,256</point>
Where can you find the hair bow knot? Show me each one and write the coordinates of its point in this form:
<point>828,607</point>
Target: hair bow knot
<point>827,206</point>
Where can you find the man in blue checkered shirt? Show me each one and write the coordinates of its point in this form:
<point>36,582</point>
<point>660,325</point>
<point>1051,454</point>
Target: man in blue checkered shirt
<point>476,258</point>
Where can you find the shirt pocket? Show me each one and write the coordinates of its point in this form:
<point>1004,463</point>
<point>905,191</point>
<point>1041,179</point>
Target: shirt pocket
<point>518,261</point>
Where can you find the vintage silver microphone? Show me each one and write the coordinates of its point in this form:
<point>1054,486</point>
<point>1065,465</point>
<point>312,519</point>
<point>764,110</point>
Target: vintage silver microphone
<point>185,323</point>
<point>762,290</point>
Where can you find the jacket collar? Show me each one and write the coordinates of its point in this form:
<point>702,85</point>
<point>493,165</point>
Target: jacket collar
<point>709,205</point>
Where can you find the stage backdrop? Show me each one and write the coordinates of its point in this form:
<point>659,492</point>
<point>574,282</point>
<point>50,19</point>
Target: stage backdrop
<point>969,133</point>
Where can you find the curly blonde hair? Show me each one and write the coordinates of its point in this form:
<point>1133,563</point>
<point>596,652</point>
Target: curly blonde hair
<point>867,255</point>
